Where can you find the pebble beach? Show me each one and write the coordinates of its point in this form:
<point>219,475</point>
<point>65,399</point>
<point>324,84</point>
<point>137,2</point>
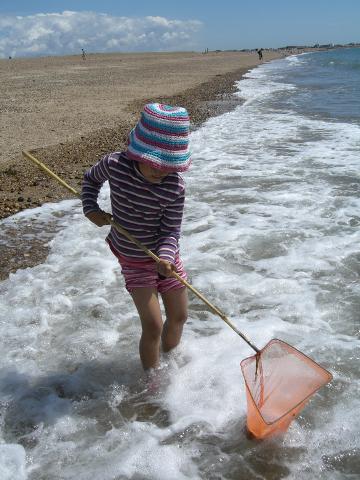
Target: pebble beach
<point>69,111</point>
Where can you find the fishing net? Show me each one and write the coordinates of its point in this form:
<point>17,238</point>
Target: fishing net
<point>279,381</point>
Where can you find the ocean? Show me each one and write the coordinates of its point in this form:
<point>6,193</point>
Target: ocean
<point>270,236</point>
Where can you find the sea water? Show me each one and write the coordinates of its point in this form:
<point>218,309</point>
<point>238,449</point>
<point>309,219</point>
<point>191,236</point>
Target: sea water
<point>271,236</point>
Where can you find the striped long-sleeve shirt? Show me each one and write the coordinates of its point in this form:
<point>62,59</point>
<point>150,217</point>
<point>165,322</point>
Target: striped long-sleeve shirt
<point>151,212</point>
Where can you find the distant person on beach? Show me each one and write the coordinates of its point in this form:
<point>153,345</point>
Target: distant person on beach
<point>259,51</point>
<point>83,54</point>
<point>147,199</point>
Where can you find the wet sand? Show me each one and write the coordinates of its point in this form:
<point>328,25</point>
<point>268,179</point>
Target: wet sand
<point>69,112</point>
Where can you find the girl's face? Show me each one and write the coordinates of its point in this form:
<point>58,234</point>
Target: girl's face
<point>151,174</point>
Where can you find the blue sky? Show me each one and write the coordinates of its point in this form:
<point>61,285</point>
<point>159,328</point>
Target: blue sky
<point>30,27</point>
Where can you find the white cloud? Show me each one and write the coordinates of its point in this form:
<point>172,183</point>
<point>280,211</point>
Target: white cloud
<point>68,32</point>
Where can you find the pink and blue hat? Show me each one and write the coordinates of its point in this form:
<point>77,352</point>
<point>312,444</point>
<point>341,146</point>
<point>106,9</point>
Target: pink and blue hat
<point>161,138</point>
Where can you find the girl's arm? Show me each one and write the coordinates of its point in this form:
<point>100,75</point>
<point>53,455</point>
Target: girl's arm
<point>92,183</point>
<point>170,229</point>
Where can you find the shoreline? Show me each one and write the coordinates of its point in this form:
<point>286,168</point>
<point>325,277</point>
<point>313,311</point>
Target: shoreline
<point>26,186</point>
<point>209,99</point>
<point>69,112</point>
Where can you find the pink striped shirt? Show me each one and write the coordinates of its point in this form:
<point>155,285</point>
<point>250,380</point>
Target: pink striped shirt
<point>151,212</point>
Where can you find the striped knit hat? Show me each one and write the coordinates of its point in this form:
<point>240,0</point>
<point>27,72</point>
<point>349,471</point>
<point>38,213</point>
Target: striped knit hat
<point>161,138</point>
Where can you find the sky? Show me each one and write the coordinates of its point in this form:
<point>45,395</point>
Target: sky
<point>59,27</point>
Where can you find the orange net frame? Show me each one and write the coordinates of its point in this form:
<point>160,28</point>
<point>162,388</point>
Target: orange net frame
<point>279,381</point>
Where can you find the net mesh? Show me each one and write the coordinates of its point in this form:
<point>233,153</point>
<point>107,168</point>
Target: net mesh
<point>278,385</point>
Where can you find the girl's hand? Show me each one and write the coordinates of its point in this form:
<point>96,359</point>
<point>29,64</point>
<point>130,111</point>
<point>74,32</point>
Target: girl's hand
<point>165,268</point>
<point>99,218</point>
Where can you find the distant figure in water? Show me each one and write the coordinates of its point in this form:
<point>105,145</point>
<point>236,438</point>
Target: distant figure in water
<point>147,199</point>
<point>83,54</point>
<point>259,51</point>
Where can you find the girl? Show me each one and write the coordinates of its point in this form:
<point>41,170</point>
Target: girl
<point>147,199</point>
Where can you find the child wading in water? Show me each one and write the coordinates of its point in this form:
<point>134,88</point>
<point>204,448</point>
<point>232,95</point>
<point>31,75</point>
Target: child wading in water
<point>147,199</point>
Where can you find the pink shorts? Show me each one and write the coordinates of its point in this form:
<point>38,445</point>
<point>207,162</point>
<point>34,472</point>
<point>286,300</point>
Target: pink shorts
<point>143,273</point>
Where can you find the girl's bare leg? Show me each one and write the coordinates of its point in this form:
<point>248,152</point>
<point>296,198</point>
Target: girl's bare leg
<point>147,304</point>
<point>175,303</point>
